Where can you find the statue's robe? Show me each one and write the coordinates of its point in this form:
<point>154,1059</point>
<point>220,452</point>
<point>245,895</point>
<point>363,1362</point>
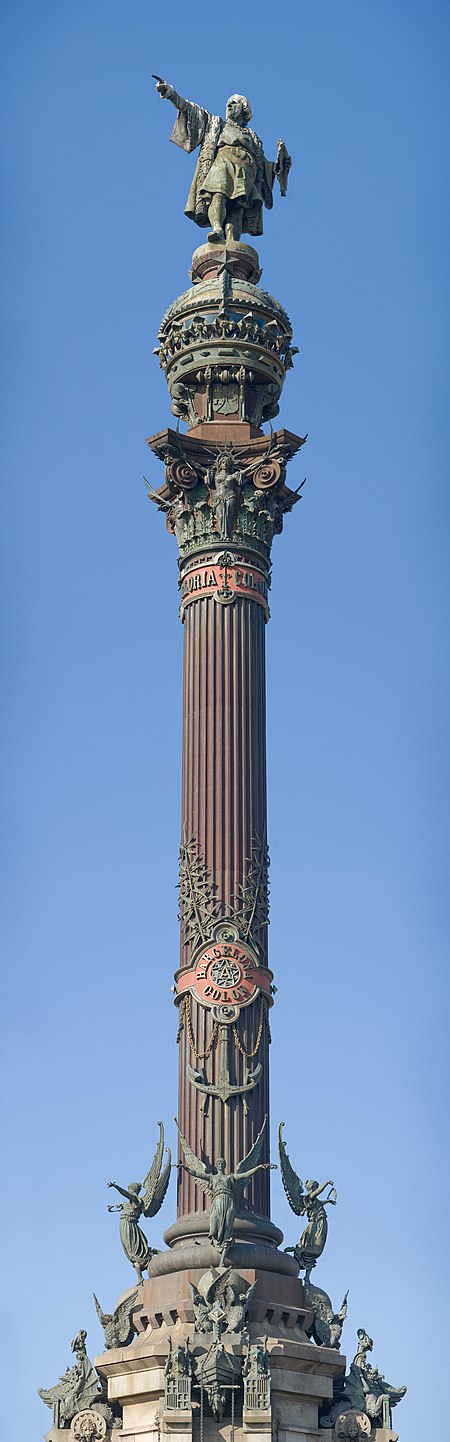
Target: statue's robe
<point>195,126</point>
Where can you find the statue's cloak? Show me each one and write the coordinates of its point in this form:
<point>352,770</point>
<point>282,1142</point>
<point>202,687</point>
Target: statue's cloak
<point>195,126</point>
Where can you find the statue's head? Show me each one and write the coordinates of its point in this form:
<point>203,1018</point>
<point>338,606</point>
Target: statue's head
<point>134,1187</point>
<point>311,1186</point>
<point>239,109</point>
<point>364,1339</point>
<point>78,1344</point>
<point>220,1164</point>
<point>224,463</point>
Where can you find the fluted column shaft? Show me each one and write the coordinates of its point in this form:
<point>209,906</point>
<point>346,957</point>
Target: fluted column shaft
<point>224,809</point>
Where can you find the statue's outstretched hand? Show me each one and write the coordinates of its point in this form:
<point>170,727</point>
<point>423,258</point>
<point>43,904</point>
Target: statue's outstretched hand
<point>162,86</point>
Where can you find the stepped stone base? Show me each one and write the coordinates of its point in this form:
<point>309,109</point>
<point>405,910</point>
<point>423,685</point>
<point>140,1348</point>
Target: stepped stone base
<point>301,1378</point>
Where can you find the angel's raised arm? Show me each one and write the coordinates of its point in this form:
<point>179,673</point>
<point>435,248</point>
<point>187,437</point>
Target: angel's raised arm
<point>122,1190</point>
<point>331,1199</point>
<point>241,1178</point>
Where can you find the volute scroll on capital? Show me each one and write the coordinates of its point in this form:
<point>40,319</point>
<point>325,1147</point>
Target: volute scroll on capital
<point>225,493</point>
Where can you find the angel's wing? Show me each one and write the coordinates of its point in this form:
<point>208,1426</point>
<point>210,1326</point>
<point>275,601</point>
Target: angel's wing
<point>252,1158</point>
<point>153,1200</point>
<point>320,1302</point>
<point>103,1317</point>
<point>292,1185</point>
<point>197,1169</point>
<point>155,496</point>
<point>341,1315</point>
<point>249,1293</point>
<point>151,1179</point>
<point>50,1395</point>
<point>237,1314</point>
<point>196,1299</point>
<point>122,1316</point>
<point>215,1285</point>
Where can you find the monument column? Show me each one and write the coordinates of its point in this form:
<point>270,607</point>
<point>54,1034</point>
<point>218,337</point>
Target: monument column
<point>221,1341</point>
<point>225,496</point>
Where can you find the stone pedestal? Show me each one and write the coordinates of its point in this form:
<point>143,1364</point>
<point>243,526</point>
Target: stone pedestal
<point>301,1378</point>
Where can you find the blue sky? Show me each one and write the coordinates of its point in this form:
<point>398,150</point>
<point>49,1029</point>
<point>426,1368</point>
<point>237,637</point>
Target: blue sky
<point>94,247</point>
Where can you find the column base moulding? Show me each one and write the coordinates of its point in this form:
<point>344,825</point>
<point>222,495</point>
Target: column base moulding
<point>249,1230</point>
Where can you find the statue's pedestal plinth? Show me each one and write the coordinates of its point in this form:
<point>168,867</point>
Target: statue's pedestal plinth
<point>241,261</point>
<point>301,1378</point>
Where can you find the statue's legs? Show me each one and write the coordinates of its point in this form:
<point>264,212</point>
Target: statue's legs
<point>234,222</point>
<point>216,216</point>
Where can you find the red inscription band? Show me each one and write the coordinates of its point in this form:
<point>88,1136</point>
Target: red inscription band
<point>225,974</point>
<point>224,582</point>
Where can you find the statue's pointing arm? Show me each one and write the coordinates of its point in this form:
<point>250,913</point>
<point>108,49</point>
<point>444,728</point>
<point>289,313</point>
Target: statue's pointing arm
<point>191,122</point>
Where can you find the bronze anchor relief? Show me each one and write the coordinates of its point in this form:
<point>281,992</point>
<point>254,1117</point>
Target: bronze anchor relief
<point>224,1089</point>
<point>226,976</point>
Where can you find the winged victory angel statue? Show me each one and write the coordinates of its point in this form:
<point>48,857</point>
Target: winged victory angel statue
<point>118,1325</point>
<point>154,1187</point>
<point>224,1187</point>
<point>306,1201</point>
<point>221,1300</point>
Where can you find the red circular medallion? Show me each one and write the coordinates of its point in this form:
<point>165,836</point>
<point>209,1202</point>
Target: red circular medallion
<point>225,973</point>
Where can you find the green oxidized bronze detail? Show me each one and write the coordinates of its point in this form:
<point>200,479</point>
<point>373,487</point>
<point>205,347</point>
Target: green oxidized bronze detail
<point>80,1389</point>
<point>362,1396</point>
<point>233,179</point>
<point>229,289</point>
<point>256,1378</point>
<point>328,1324</point>
<point>135,1205</point>
<point>199,905</point>
<point>221,1300</point>
<point>232,363</point>
<point>225,496</point>
<point>178,1378</point>
<point>225,1090</point>
<point>200,914</point>
<point>118,1325</point>
<point>251,912</point>
<point>224,1187</point>
<point>306,1201</point>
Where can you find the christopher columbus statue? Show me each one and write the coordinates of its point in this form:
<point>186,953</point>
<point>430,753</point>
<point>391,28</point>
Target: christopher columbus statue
<point>233,179</point>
